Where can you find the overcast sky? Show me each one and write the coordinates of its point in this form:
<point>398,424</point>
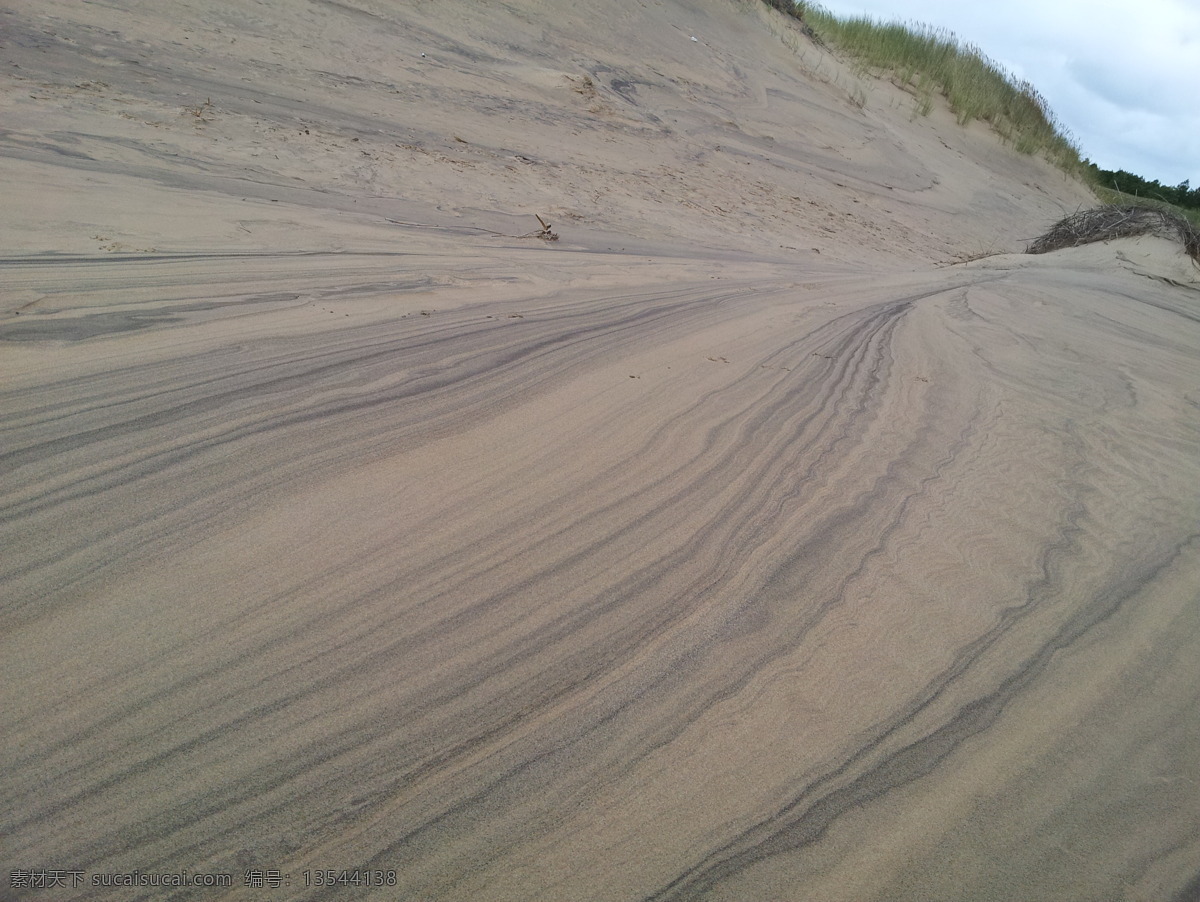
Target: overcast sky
<point>1124,78</point>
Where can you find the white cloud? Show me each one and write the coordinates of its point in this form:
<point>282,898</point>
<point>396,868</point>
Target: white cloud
<point>1134,90</point>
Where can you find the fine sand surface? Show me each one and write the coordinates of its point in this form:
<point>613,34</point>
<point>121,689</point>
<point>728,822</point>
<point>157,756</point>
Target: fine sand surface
<point>780,532</point>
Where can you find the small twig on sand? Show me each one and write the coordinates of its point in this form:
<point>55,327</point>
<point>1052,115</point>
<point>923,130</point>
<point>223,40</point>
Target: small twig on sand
<point>545,233</point>
<point>201,111</point>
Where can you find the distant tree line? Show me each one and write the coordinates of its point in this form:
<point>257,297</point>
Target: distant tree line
<point>1182,195</point>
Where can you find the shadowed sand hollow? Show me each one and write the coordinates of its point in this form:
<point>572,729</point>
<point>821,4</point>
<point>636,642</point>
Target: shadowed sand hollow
<point>745,543</point>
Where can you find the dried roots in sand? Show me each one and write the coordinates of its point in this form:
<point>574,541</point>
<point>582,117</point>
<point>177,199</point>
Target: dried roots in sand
<point>1118,221</point>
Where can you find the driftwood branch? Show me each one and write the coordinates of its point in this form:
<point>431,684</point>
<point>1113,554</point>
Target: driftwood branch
<point>545,232</point>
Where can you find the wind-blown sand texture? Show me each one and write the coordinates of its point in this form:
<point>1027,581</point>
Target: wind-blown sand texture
<point>735,546</point>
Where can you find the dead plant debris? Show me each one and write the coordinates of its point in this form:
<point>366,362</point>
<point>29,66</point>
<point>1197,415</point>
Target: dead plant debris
<point>1118,221</point>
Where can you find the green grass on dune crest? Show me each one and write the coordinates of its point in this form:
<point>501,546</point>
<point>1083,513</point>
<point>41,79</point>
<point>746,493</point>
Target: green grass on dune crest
<point>1109,196</point>
<point>926,60</point>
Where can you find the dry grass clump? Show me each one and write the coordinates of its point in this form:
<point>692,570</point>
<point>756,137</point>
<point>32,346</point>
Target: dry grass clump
<point>1118,221</point>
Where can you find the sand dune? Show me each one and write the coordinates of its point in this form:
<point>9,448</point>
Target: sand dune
<point>746,542</point>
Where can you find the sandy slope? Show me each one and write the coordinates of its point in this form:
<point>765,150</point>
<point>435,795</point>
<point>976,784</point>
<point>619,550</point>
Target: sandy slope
<point>733,546</point>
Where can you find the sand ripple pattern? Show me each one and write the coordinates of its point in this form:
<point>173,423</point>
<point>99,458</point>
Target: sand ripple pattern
<point>679,592</point>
